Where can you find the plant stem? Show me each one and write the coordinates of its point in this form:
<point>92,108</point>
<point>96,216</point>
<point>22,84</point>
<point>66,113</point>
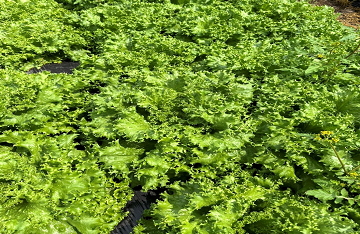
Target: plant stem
<point>354,51</point>
<point>338,62</point>
<point>355,169</point>
<point>337,155</point>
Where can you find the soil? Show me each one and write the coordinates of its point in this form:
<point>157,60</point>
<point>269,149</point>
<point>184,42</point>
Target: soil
<point>349,10</point>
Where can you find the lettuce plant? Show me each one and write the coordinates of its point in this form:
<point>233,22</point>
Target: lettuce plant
<point>215,102</point>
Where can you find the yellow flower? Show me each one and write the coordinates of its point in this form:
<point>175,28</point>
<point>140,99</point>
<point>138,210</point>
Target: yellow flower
<point>326,133</point>
<point>353,174</point>
<point>318,138</point>
<point>335,140</point>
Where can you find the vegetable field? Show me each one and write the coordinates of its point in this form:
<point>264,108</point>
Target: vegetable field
<point>245,113</point>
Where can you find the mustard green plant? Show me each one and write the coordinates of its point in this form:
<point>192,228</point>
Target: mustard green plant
<point>344,192</point>
<point>327,136</point>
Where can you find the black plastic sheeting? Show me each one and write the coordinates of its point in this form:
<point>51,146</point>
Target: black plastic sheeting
<point>356,3</point>
<point>64,67</point>
<point>136,207</point>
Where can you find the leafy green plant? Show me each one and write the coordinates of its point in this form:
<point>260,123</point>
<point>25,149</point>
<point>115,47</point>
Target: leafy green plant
<point>346,187</point>
<point>239,203</point>
<point>47,181</point>
<point>32,37</point>
<point>48,187</point>
<point>215,102</point>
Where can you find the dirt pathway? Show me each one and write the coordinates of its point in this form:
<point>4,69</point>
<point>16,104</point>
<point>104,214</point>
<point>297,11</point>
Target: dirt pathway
<point>349,10</point>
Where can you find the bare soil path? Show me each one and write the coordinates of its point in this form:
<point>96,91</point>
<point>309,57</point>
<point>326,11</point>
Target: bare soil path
<point>349,10</point>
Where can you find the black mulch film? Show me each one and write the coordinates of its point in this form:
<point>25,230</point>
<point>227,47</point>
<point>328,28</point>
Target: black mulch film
<point>355,3</point>
<point>136,207</point>
<point>64,67</point>
<point>141,200</point>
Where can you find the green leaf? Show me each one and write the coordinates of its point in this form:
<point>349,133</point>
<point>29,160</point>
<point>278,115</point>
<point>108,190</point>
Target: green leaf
<point>313,68</point>
<point>344,193</point>
<point>134,127</point>
<point>320,194</point>
<point>119,157</point>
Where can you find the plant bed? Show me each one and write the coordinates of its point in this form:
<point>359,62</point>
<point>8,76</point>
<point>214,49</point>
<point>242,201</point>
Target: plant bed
<point>242,115</point>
